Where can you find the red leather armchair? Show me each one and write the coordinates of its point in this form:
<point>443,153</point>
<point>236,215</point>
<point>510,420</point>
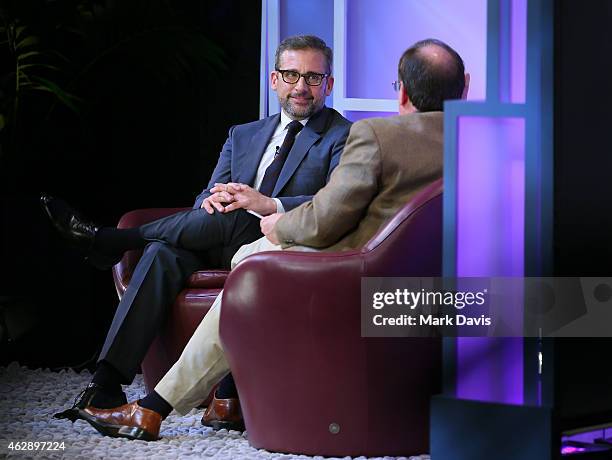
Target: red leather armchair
<point>308,382</point>
<point>188,310</point>
<point>290,325</point>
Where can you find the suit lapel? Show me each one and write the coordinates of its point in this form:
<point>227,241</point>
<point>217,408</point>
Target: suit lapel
<point>307,137</point>
<point>256,149</point>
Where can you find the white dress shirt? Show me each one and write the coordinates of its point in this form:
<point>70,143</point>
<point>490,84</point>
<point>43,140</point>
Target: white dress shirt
<point>275,142</point>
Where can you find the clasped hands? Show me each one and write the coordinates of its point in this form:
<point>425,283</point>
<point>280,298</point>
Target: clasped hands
<point>231,196</point>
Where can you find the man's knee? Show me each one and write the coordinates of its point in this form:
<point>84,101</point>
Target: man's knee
<point>157,250</point>
<point>260,245</point>
<point>166,256</point>
<point>158,247</point>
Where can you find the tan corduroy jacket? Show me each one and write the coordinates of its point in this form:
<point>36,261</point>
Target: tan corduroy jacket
<point>384,163</point>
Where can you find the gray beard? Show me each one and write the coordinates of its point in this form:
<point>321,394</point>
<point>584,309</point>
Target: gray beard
<point>299,113</point>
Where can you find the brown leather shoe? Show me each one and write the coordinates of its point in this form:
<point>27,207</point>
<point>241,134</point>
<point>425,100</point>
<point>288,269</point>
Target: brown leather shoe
<point>128,421</point>
<point>224,413</point>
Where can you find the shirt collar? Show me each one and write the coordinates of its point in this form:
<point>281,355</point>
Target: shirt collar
<point>285,120</point>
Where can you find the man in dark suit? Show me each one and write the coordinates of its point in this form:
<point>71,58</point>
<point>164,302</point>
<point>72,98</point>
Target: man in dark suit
<point>280,162</point>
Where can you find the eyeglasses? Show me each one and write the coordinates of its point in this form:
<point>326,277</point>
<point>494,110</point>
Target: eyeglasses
<point>396,85</point>
<point>311,78</point>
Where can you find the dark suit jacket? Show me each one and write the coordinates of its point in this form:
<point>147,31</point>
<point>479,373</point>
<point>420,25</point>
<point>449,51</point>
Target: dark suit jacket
<point>312,158</point>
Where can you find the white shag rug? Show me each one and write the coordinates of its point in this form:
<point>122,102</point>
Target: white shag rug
<point>29,398</point>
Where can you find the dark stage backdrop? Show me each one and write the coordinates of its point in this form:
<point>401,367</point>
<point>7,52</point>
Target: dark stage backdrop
<point>154,108</point>
<point>583,195</point>
<point>583,144</point>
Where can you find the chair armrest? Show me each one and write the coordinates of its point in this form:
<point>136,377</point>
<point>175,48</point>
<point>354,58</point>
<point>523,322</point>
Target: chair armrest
<point>277,286</point>
<point>122,272</point>
<point>281,300</point>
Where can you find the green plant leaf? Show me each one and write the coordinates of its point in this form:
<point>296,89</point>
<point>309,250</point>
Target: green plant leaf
<point>23,76</point>
<point>69,100</point>
<point>18,31</point>
<point>41,66</point>
<point>21,57</point>
<point>28,41</point>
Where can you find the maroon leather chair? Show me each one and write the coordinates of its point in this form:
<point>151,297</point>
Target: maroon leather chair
<point>188,310</point>
<point>308,382</point>
<point>291,329</point>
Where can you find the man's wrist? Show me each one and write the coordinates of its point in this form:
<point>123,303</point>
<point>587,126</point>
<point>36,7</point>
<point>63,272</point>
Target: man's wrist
<point>279,206</point>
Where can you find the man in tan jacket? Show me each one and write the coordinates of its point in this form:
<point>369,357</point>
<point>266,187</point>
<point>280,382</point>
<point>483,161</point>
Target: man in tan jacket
<point>385,162</point>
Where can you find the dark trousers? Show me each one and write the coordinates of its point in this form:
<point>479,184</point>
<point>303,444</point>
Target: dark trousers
<point>179,245</point>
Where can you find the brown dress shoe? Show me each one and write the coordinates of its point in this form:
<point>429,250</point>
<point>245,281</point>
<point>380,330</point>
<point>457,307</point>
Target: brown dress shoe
<point>224,413</point>
<point>128,421</point>
<point>92,394</point>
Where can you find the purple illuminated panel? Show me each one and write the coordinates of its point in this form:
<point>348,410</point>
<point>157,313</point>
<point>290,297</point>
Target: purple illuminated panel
<point>490,196</point>
<point>490,369</point>
<point>296,17</point>
<point>355,115</point>
<point>379,32</point>
<point>589,436</point>
<point>490,242</point>
<point>518,51</point>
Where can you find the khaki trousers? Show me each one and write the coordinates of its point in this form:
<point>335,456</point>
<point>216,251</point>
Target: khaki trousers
<point>202,363</point>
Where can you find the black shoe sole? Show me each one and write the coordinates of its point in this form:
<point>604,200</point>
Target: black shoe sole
<point>223,425</point>
<point>71,414</point>
<point>117,431</point>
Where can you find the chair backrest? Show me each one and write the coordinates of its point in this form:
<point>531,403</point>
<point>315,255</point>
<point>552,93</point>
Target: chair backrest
<point>410,244</point>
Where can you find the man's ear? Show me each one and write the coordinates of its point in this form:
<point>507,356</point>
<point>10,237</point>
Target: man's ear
<point>402,94</point>
<point>329,85</point>
<point>466,88</point>
<point>273,79</point>
<point>404,102</point>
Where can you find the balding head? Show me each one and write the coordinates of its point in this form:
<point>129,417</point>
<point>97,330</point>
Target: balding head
<point>431,72</point>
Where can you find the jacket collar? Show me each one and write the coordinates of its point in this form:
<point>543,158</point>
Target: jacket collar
<point>307,137</point>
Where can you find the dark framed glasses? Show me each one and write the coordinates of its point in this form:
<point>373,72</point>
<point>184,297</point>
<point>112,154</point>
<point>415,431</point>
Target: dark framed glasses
<point>311,78</point>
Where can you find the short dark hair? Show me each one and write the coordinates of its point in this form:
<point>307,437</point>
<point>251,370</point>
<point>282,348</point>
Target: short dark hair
<point>302,42</point>
<point>428,84</point>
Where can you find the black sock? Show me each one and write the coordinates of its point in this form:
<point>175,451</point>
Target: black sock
<point>116,241</point>
<point>156,403</point>
<point>227,388</point>
<point>108,378</point>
